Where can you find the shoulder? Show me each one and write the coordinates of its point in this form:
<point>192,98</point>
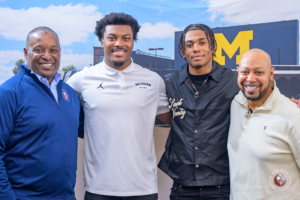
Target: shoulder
<point>229,77</point>
<point>11,90</point>
<point>77,76</point>
<point>229,72</point>
<point>145,72</point>
<point>13,83</point>
<point>75,80</point>
<point>287,108</point>
<point>171,77</point>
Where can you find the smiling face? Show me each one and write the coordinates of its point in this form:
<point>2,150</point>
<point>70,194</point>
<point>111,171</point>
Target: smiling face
<point>43,54</point>
<point>198,52</point>
<point>117,43</point>
<point>255,75</point>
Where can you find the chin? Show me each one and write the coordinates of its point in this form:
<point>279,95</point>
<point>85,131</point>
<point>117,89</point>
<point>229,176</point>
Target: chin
<point>118,63</point>
<point>251,97</point>
<point>197,66</point>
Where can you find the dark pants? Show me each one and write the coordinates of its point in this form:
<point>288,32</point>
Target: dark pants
<point>220,192</point>
<point>72,199</point>
<point>91,196</point>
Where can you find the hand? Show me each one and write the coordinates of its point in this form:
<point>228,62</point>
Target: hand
<point>165,117</point>
<point>296,101</point>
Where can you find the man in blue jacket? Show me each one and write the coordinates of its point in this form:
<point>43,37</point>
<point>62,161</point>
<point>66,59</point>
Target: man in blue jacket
<point>39,119</point>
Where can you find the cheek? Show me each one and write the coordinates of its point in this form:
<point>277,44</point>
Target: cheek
<point>264,81</point>
<point>35,58</point>
<point>107,47</point>
<point>241,79</point>
<point>187,53</point>
<point>57,58</point>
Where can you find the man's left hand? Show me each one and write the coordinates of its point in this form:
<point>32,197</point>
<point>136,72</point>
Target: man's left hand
<point>296,101</point>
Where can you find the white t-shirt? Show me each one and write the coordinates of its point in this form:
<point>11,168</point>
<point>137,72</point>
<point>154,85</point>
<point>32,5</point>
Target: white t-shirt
<point>120,109</point>
<point>264,149</point>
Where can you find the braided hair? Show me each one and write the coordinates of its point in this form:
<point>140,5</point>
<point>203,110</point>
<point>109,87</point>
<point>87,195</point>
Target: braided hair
<point>209,35</point>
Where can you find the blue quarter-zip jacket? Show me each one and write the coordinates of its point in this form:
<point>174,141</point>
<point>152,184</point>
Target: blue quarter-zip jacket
<point>38,139</point>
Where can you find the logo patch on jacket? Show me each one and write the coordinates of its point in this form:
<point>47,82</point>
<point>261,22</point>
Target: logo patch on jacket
<point>280,180</point>
<point>143,85</point>
<point>174,108</point>
<point>65,95</point>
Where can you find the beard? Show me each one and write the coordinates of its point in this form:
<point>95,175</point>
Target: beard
<point>261,94</point>
<point>118,64</point>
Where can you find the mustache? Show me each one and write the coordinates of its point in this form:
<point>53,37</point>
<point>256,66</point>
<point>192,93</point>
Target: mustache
<point>251,84</point>
<point>118,48</point>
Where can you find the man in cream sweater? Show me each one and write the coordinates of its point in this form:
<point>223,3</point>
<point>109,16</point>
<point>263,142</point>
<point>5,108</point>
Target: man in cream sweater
<point>264,135</point>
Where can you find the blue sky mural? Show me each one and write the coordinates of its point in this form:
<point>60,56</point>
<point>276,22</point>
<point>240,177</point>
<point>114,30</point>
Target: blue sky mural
<point>75,20</point>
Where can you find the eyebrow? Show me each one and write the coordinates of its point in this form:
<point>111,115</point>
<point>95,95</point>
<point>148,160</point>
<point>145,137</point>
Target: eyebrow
<point>254,68</point>
<point>42,46</point>
<point>199,39</point>
<point>115,35</point>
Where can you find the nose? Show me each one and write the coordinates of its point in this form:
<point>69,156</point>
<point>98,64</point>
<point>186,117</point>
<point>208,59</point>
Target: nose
<point>47,55</point>
<point>196,47</point>
<point>251,77</point>
<point>119,42</point>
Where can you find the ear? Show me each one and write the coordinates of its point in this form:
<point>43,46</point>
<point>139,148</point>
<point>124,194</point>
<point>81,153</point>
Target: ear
<point>101,41</point>
<point>214,49</point>
<point>26,54</point>
<point>182,53</point>
<point>272,73</point>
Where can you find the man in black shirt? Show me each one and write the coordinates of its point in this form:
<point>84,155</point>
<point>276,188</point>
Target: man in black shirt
<point>200,96</point>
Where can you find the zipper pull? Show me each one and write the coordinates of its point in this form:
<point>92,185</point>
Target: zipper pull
<point>196,95</point>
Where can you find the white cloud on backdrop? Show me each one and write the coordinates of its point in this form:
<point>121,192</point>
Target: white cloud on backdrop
<point>158,30</point>
<point>78,60</point>
<point>253,11</point>
<point>5,73</point>
<point>73,23</point>
<point>7,57</point>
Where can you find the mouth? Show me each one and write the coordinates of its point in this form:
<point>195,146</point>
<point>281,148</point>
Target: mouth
<point>119,52</point>
<point>251,88</point>
<point>197,57</point>
<point>47,65</point>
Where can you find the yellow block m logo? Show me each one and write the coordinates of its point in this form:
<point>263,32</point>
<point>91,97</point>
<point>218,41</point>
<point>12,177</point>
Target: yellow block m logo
<point>242,41</point>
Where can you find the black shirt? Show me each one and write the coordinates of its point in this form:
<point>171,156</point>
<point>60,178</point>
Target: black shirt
<point>198,80</point>
<point>196,149</point>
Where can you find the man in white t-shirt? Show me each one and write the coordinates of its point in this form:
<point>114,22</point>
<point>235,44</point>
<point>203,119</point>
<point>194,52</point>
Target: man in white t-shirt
<point>120,100</point>
<point>264,135</point>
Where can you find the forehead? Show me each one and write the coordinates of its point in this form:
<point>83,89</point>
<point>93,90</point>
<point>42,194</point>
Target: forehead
<point>118,30</point>
<point>254,61</point>
<point>195,35</point>
<point>43,38</point>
